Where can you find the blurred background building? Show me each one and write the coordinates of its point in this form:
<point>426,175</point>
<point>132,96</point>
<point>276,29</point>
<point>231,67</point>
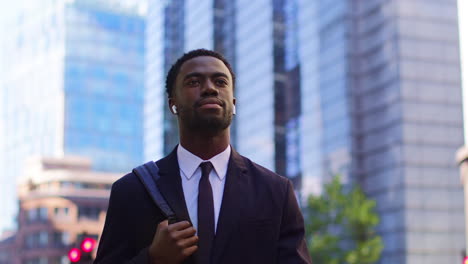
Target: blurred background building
<point>72,85</point>
<point>61,200</point>
<point>368,89</point>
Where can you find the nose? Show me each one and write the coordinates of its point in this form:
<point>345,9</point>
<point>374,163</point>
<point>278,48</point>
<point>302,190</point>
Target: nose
<point>209,89</point>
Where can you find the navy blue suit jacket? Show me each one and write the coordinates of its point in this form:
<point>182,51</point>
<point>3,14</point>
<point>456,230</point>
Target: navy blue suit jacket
<point>259,220</point>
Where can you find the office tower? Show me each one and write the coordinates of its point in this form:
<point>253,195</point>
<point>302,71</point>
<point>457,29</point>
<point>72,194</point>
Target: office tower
<point>369,90</point>
<point>387,106</point>
<point>263,54</point>
<point>165,43</point>
<point>73,86</point>
<point>170,33</point>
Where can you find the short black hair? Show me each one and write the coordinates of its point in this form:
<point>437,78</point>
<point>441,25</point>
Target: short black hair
<point>175,68</point>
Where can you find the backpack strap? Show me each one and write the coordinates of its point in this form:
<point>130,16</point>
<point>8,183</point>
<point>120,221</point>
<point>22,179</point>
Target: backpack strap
<point>148,174</point>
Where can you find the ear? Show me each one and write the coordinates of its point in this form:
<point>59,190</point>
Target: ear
<point>172,106</point>
<point>234,106</point>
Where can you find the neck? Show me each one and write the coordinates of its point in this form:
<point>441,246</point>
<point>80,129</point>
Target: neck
<point>205,146</point>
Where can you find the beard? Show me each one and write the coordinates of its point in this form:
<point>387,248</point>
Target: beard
<point>207,123</point>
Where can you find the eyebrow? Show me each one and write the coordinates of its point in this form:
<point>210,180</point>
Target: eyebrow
<point>197,74</point>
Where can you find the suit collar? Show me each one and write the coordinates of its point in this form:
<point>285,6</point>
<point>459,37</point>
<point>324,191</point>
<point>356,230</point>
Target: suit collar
<point>189,162</point>
<point>234,196</point>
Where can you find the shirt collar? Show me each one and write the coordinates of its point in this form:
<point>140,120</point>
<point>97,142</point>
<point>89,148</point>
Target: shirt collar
<point>188,162</point>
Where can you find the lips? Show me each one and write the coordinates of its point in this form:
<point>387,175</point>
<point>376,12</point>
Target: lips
<point>210,103</point>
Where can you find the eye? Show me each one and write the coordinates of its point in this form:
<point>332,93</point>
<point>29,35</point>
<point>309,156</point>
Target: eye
<point>221,82</point>
<point>192,82</point>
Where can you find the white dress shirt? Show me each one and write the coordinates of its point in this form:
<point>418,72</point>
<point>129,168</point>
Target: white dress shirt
<point>190,173</point>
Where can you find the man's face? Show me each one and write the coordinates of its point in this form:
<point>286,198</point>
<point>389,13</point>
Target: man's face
<point>203,95</point>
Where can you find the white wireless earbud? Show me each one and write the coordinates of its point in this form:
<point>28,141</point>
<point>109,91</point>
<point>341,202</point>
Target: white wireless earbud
<point>174,109</point>
<point>234,110</point>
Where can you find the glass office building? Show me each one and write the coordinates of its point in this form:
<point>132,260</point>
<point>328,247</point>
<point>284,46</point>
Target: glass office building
<point>255,81</point>
<point>381,90</point>
<point>366,89</point>
<point>165,43</point>
<point>311,150</point>
<point>73,85</point>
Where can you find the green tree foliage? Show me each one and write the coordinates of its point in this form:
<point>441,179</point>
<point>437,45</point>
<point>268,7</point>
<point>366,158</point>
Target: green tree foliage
<point>340,226</point>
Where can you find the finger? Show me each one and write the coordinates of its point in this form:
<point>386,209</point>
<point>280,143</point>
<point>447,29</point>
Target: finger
<point>162,228</point>
<point>188,242</point>
<point>185,233</point>
<point>189,251</point>
<point>179,226</point>
<point>163,224</point>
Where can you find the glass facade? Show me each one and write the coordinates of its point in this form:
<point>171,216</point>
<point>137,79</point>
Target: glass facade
<point>174,42</point>
<point>255,81</point>
<point>103,86</point>
<point>155,97</point>
<point>73,86</point>
<point>224,26</point>
<point>311,150</point>
<point>165,43</point>
<point>32,103</point>
<point>199,26</point>
<point>287,106</point>
<point>369,90</point>
<point>334,41</point>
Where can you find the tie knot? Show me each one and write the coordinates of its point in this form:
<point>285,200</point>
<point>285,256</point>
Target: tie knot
<point>206,168</point>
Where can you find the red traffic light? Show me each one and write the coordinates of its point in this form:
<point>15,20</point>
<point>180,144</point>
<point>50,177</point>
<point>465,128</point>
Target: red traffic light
<point>74,255</point>
<point>88,244</point>
<point>465,260</point>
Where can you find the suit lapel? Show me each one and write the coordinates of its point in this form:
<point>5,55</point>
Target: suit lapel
<point>170,185</point>
<point>233,199</point>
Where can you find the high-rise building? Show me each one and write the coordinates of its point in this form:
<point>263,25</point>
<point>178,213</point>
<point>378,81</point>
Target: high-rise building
<point>384,96</point>
<point>370,90</point>
<point>186,25</point>
<point>409,104</point>
<point>73,84</point>
<point>164,44</point>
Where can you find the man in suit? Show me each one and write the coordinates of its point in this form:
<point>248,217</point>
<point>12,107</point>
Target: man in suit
<point>229,209</point>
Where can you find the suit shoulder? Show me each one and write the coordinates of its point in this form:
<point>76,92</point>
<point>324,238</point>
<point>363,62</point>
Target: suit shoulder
<point>261,172</point>
<point>127,182</point>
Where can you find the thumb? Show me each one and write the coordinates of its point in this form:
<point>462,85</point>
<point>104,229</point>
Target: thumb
<point>163,224</point>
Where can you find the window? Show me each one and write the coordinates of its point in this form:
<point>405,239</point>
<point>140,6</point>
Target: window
<point>43,239</point>
<point>37,240</point>
<point>29,241</point>
<point>89,212</point>
<point>61,213</point>
<point>60,239</point>
<point>32,215</point>
<point>42,213</point>
<point>37,214</point>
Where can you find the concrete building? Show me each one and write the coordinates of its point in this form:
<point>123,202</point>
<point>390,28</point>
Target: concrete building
<point>60,200</point>
<point>73,77</point>
<point>7,247</point>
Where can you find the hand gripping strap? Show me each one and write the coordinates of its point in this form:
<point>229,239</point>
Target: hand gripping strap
<point>148,175</point>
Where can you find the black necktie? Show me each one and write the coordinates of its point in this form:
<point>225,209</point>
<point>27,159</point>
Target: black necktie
<point>205,215</point>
